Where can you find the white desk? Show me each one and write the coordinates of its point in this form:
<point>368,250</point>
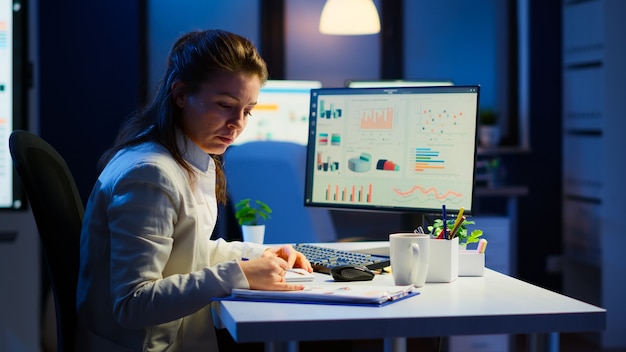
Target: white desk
<point>492,304</point>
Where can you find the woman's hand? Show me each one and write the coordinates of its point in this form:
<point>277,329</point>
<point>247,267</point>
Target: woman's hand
<point>294,258</point>
<point>268,273</point>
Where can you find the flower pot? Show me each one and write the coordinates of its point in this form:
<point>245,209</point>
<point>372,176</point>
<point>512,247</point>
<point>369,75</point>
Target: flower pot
<point>253,233</point>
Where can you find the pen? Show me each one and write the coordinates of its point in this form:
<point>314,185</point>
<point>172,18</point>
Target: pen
<point>457,223</point>
<point>445,221</point>
<point>456,229</point>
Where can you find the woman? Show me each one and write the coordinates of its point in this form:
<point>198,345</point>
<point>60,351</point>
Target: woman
<point>148,269</point>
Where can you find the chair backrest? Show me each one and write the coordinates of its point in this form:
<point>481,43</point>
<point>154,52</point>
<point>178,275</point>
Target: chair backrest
<point>58,211</point>
<point>274,172</point>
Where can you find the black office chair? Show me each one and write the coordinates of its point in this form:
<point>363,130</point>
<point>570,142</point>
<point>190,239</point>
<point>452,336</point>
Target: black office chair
<point>58,211</point>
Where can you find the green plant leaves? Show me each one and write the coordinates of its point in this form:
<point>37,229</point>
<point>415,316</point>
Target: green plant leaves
<point>464,238</point>
<point>248,213</point>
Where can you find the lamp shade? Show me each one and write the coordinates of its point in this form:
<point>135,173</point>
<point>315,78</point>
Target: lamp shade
<point>349,17</point>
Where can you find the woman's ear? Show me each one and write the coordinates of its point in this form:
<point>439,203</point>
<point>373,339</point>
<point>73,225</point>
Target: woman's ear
<point>178,93</point>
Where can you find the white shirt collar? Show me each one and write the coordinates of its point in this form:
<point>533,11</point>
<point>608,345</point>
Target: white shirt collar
<point>193,154</point>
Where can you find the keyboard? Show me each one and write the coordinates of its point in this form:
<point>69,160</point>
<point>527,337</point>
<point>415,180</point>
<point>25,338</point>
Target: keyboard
<point>323,259</point>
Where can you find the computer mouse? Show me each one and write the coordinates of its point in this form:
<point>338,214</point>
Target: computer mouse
<point>351,273</point>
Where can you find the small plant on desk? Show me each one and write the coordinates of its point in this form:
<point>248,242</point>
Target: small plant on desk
<point>461,233</point>
<point>252,214</point>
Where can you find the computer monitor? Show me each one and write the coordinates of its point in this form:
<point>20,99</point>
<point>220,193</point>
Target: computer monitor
<point>396,83</point>
<point>13,89</point>
<point>410,149</point>
<point>282,112</point>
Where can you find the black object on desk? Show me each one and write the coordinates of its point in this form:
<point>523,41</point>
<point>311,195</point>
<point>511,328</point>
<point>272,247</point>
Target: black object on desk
<point>324,259</point>
<point>351,273</point>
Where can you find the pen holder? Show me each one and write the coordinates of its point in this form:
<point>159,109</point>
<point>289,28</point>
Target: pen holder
<point>471,263</point>
<point>444,260</point>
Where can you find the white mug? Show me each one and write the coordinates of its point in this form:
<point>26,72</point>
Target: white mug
<point>409,255</point>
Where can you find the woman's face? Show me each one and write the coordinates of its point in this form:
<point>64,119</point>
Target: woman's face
<point>217,114</point>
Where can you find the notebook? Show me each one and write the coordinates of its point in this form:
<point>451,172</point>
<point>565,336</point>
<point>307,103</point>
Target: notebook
<point>338,293</point>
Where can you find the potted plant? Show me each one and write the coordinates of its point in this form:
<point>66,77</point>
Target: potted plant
<point>461,233</point>
<point>251,216</point>
<point>489,129</point>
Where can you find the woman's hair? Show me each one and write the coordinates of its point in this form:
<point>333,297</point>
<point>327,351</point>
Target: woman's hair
<point>196,58</point>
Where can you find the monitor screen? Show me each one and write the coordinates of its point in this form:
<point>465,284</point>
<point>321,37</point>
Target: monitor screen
<point>282,112</point>
<point>396,83</point>
<point>12,96</point>
<point>410,149</point>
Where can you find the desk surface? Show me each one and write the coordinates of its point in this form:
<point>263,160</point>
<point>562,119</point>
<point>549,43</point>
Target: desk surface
<point>492,304</point>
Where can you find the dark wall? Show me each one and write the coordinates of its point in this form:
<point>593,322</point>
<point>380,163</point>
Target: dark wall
<point>91,77</point>
<point>539,230</point>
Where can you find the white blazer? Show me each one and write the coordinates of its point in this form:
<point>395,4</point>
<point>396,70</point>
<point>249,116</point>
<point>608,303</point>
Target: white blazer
<point>148,269</point>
